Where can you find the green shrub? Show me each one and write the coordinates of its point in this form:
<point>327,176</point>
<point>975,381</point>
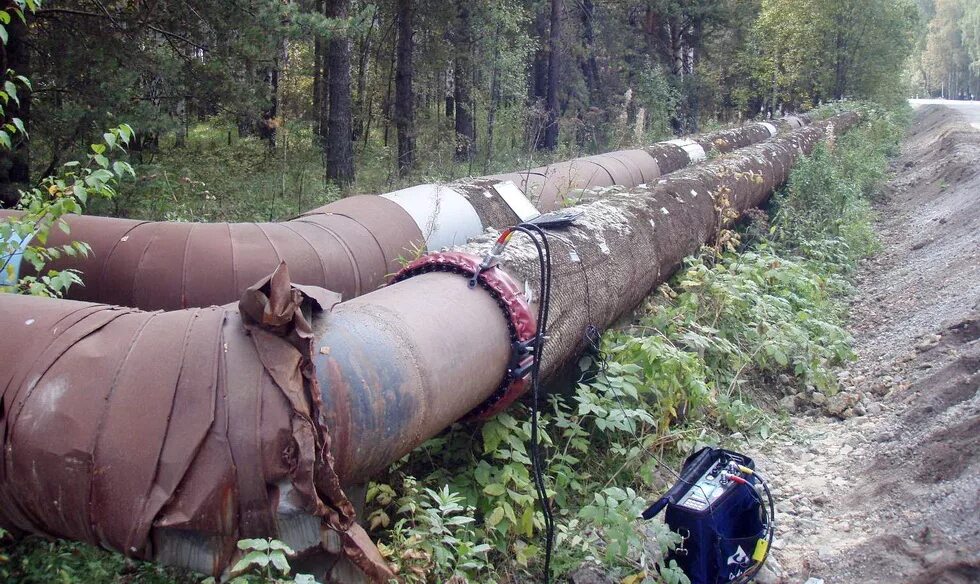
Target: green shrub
<point>726,328</point>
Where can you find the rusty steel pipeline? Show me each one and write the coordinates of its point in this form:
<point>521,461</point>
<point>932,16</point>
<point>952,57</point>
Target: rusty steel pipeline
<point>352,245</point>
<point>171,435</point>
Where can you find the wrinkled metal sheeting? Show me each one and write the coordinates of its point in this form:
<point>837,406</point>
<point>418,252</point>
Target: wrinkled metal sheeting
<point>170,436</point>
<point>625,244</point>
<point>348,246</point>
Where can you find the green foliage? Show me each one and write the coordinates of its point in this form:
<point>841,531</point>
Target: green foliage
<point>947,62</point>
<point>434,538</point>
<point>824,213</point>
<point>33,560</point>
<point>660,99</point>
<point>264,561</point>
<point>25,236</point>
<point>216,176</point>
<point>729,326</point>
<point>815,50</point>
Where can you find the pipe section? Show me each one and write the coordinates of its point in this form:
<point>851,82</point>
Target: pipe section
<point>171,435</point>
<point>352,245</point>
<point>625,244</point>
<point>549,186</point>
<point>349,247</point>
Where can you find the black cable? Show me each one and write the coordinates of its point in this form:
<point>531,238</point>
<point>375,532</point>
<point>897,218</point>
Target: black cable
<point>770,507</point>
<point>534,232</point>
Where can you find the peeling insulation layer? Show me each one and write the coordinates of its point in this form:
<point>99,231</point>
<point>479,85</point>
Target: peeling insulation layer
<point>626,242</point>
<point>172,435</point>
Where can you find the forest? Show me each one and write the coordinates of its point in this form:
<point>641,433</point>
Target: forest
<point>260,109</point>
<point>220,362</point>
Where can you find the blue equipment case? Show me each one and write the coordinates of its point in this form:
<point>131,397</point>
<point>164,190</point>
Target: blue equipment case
<point>720,521</point>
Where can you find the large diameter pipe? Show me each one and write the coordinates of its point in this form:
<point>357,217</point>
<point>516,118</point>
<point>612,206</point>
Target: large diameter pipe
<point>550,186</point>
<point>172,435</point>
<point>349,247</point>
<point>625,244</point>
<point>352,245</point>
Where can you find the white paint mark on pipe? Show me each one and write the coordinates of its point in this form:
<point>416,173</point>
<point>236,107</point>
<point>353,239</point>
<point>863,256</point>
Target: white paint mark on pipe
<point>695,152</point>
<point>443,215</point>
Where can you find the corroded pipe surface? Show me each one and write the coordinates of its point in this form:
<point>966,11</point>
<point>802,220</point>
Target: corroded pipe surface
<point>402,363</point>
<point>170,436</point>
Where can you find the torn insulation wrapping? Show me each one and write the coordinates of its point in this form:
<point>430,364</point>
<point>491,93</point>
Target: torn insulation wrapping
<point>170,436</point>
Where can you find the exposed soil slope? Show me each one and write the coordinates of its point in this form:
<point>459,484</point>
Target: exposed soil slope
<point>891,492</point>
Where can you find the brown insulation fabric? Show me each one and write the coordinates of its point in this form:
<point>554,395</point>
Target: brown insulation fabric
<point>168,435</point>
<point>727,140</point>
<point>625,244</point>
<point>492,209</point>
<point>348,246</point>
<point>669,157</point>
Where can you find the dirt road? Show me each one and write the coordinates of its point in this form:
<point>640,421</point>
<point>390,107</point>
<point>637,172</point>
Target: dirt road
<point>969,109</point>
<point>888,489</point>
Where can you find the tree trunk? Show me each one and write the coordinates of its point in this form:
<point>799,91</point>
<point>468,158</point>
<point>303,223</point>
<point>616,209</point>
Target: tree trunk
<point>318,84</point>
<point>450,93</point>
<point>590,67</point>
<point>15,164</point>
<point>404,92</point>
<point>322,111</point>
<point>339,153</point>
<point>386,104</point>
<point>840,71</point>
<point>494,101</point>
<point>270,115</point>
<point>550,141</point>
<point>363,66</point>
<point>463,80</point>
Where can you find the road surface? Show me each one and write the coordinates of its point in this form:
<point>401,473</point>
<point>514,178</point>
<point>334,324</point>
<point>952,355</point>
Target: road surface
<point>971,109</point>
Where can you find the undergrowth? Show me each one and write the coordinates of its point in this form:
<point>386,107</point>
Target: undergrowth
<point>696,365</point>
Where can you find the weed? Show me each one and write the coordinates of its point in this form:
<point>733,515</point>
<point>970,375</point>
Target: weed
<point>735,321</point>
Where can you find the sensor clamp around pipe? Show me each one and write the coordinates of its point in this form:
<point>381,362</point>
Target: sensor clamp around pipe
<point>516,309</point>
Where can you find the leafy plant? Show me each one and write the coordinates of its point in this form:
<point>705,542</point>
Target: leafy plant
<point>265,561</point>
<point>434,538</point>
<point>24,237</point>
